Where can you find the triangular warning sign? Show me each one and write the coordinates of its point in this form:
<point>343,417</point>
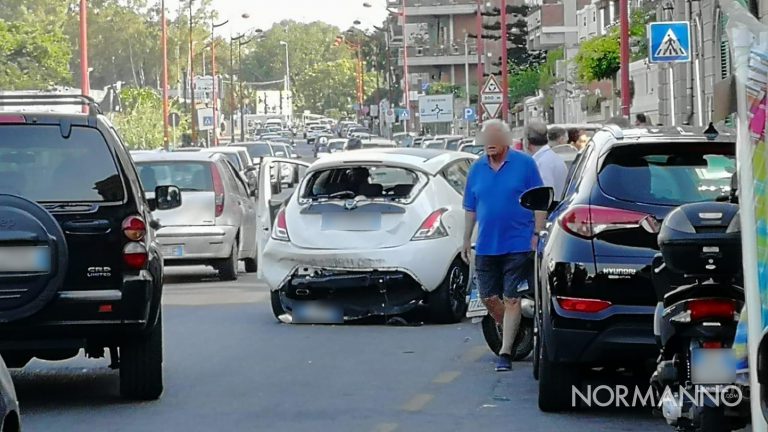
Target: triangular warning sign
<point>670,46</point>
<point>491,85</point>
<point>492,110</point>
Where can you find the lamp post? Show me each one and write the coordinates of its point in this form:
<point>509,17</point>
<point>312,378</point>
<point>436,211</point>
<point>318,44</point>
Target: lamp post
<point>668,7</point>
<point>287,74</point>
<point>480,59</point>
<point>193,107</point>
<point>626,98</point>
<point>240,81</point>
<point>164,43</point>
<point>86,82</point>
<point>504,63</point>
<point>214,94</point>
<point>232,41</point>
<point>405,68</point>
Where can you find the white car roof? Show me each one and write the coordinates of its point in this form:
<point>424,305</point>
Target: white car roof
<point>430,161</point>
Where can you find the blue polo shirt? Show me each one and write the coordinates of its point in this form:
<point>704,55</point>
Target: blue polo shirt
<point>504,226</point>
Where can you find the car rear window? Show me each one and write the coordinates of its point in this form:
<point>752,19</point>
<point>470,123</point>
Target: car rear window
<point>369,181</point>
<point>234,159</point>
<point>36,162</point>
<point>258,150</point>
<point>668,174</point>
<point>188,176</point>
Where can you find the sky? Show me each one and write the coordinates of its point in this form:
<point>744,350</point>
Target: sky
<point>263,13</point>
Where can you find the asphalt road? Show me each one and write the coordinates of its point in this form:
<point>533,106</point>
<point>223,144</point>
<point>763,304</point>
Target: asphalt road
<point>230,366</point>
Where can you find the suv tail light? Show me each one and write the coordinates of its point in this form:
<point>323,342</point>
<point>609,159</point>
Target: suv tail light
<point>432,227</point>
<point>135,255</point>
<point>280,232</point>
<point>218,190</point>
<point>12,118</point>
<point>589,221</point>
<point>134,228</point>
<point>572,304</point>
<point>711,308</point>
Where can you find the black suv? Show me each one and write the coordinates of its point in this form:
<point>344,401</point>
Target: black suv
<point>79,266</point>
<point>595,299</point>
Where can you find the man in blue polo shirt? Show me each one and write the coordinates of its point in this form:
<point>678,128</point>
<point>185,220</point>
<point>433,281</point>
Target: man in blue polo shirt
<point>506,231</point>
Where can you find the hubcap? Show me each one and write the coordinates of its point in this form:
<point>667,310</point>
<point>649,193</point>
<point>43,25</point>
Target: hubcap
<point>456,287</point>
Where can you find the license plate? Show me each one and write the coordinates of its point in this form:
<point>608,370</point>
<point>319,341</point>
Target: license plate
<point>476,307</point>
<point>317,313</point>
<point>713,366</point>
<point>25,259</point>
<point>172,251</point>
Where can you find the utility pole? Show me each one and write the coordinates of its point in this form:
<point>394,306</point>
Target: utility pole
<point>480,64</point>
<point>215,95</point>
<point>406,84</point>
<point>84,78</point>
<point>626,99</point>
<point>164,31</point>
<point>466,74</point>
<point>504,63</point>
<point>193,108</point>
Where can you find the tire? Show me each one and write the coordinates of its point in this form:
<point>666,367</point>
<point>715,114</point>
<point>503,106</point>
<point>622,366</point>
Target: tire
<point>228,267</point>
<point>555,382</point>
<point>536,352</point>
<point>523,344</point>
<point>448,303</point>
<point>141,365</point>
<point>712,419</point>
<point>277,305</point>
<point>251,264</point>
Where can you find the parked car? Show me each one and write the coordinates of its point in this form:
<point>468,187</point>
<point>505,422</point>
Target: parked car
<point>81,265</point>
<point>471,147</point>
<point>433,144</point>
<point>452,142</point>
<point>368,232</point>
<point>257,150</point>
<point>377,142</point>
<point>216,222</point>
<point>241,160</point>
<point>595,301</point>
<point>357,130</point>
<point>404,139</point>
<point>9,402</point>
<point>419,141</point>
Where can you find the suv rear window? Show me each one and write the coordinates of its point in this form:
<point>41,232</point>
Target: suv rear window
<point>368,181</point>
<point>36,162</point>
<point>668,174</point>
<point>188,176</point>
<point>258,150</point>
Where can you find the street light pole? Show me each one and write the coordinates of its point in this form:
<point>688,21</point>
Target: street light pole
<point>287,75</point>
<point>215,96</point>
<point>84,78</point>
<point>164,43</point>
<point>405,68</point>
<point>480,59</point>
<point>466,74</point>
<point>193,108</point>
<point>626,98</point>
<point>504,63</point>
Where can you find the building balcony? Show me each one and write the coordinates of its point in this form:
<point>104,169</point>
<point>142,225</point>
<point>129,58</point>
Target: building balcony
<point>435,7</point>
<point>438,55</point>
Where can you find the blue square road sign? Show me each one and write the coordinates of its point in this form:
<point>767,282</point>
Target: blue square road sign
<point>669,42</point>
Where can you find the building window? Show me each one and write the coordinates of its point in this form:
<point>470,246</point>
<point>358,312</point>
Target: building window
<point>594,16</point>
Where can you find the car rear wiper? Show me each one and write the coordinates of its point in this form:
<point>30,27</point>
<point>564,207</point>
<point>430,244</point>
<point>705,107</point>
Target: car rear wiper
<point>68,206</point>
<point>339,194</point>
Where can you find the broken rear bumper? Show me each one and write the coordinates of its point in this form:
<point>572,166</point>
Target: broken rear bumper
<point>359,294</point>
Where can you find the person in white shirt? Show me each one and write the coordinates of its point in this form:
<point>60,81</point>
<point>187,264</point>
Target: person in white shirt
<point>551,166</point>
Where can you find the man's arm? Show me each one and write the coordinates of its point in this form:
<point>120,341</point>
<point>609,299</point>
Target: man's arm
<point>470,218</point>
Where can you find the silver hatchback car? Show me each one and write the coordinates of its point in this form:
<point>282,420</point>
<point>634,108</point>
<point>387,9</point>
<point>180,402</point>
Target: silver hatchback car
<point>216,223</point>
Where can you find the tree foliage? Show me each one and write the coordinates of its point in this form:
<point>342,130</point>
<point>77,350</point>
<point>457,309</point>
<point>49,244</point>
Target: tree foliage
<point>441,88</point>
<point>32,55</point>
<point>523,83</point>
<point>141,122</point>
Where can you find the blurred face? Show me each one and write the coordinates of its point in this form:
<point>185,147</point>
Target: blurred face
<point>495,142</point>
<point>582,142</point>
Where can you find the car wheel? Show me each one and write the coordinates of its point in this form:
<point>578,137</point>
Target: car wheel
<point>228,268</point>
<point>555,383</point>
<point>251,265</point>
<point>277,305</point>
<point>492,332</point>
<point>141,365</point>
<point>448,303</point>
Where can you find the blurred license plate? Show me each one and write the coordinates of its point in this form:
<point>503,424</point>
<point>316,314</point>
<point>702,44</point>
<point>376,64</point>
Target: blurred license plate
<point>476,307</point>
<point>172,251</point>
<point>713,366</point>
<point>317,313</point>
<point>25,259</point>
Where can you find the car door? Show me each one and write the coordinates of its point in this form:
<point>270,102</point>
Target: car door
<point>272,195</point>
<point>247,211</point>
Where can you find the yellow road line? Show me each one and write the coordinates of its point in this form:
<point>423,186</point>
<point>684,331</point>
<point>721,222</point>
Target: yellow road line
<point>446,377</point>
<point>418,402</point>
<point>475,353</point>
<point>385,427</point>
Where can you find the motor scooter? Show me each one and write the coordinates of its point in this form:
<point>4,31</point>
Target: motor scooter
<point>697,279</point>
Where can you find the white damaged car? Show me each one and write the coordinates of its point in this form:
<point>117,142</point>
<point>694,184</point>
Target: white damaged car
<point>368,232</point>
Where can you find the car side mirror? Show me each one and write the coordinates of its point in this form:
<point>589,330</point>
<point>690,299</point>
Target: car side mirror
<point>538,199</point>
<point>167,197</point>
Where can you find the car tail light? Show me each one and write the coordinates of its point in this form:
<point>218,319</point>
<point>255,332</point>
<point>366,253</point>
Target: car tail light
<point>572,304</point>
<point>135,255</point>
<point>134,228</point>
<point>712,345</point>
<point>432,227</point>
<point>12,118</point>
<point>218,190</point>
<point>280,232</point>
<point>588,221</point>
<point>711,308</point>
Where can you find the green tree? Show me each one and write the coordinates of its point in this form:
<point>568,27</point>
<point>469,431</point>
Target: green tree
<point>523,83</point>
<point>446,88</point>
<point>141,122</point>
<point>32,56</point>
<point>598,58</point>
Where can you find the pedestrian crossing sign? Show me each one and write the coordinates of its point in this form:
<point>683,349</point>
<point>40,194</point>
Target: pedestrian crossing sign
<point>669,42</point>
